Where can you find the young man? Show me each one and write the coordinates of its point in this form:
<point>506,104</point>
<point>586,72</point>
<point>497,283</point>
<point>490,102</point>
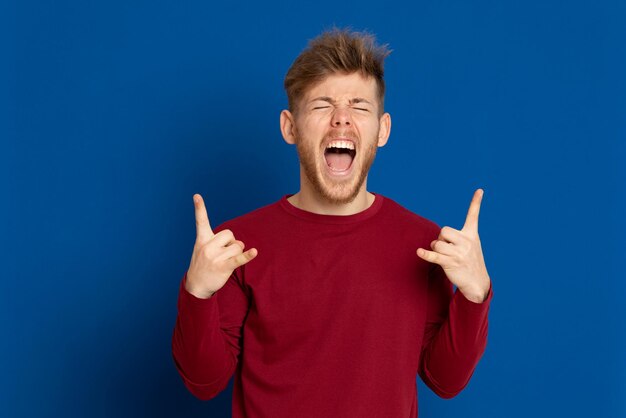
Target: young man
<point>337,306</point>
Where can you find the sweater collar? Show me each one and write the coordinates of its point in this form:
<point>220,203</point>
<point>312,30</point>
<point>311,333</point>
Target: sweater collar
<point>332,219</point>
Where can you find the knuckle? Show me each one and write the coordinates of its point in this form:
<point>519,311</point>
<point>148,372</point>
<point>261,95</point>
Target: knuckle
<point>200,247</point>
<point>239,260</point>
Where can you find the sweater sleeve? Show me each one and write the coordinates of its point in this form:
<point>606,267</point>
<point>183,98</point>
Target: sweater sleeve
<point>207,337</point>
<point>455,336</point>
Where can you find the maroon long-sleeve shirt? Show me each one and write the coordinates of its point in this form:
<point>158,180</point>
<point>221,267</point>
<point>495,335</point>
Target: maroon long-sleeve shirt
<point>335,317</point>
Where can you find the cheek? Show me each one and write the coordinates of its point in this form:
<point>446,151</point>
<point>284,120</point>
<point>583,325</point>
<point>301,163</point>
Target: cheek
<point>313,129</point>
<point>370,129</point>
<point>365,120</point>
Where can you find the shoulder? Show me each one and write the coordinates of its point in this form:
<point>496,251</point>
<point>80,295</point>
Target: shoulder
<point>252,221</point>
<point>407,220</point>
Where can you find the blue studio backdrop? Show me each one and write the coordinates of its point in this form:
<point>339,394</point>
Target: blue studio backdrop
<point>115,113</point>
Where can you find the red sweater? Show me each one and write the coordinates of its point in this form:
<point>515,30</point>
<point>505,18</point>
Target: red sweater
<point>335,317</point>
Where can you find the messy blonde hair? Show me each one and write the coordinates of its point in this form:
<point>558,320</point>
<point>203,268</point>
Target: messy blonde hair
<point>336,51</point>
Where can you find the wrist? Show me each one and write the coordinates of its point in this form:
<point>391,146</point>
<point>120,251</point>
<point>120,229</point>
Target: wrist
<point>196,291</point>
<point>476,294</point>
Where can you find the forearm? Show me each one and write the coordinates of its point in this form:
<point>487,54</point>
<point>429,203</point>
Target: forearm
<point>449,359</point>
<point>199,348</point>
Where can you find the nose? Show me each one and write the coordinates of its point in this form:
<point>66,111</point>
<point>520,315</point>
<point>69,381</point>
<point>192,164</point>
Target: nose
<point>341,117</point>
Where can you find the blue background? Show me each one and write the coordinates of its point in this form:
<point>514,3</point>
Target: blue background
<point>115,113</point>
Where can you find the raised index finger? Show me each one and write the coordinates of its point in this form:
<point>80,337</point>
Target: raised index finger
<point>471,221</point>
<point>203,228</point>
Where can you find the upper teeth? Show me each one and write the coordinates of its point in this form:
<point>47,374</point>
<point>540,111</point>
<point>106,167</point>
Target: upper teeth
<point>340,144</point>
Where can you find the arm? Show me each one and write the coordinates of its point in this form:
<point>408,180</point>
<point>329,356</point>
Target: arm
<point>207,337</point>
<point>456,325</point>
<point>455,336</point>
<point>212,304</point>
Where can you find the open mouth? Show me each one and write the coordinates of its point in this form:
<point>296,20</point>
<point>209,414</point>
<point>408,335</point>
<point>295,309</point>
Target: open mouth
<point>339,155</point>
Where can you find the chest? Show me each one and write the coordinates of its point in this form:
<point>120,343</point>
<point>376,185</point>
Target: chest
<point>336,285</point>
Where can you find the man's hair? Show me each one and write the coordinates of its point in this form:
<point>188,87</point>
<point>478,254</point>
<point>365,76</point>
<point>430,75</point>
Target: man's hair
<point>336,51</point>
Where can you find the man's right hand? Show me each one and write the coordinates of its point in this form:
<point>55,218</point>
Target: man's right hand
<point>215,256</point>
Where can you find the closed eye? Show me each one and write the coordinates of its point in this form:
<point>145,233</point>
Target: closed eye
<point>321,107</point>
<point>361,108</point>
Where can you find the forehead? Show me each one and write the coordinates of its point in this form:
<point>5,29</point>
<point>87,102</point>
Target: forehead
<point>344,86</point>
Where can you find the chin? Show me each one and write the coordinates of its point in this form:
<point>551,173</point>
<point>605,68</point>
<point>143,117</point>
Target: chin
<point>339,192</point>
<point>336,188</point>
<point>339,197</point>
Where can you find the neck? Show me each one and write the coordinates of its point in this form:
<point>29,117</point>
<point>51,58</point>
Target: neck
<point>307,199</point>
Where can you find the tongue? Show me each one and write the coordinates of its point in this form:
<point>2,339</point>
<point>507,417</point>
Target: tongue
<point>338,162</point>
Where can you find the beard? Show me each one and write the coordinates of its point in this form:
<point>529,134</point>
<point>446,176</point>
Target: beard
<point>335,191</point>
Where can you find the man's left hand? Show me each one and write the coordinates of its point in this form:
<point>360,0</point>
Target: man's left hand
<point>460,255</point>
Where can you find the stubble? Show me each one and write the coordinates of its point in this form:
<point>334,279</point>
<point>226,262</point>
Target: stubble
<point>336,192</point>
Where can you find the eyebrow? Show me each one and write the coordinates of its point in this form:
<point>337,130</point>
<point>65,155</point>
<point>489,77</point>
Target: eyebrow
<point>331,101</point>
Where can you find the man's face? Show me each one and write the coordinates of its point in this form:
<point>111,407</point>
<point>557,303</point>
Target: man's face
<point>337,129</point>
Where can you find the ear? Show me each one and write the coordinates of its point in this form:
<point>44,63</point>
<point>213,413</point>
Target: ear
<point>288,127</point>
<point>384,130</point>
